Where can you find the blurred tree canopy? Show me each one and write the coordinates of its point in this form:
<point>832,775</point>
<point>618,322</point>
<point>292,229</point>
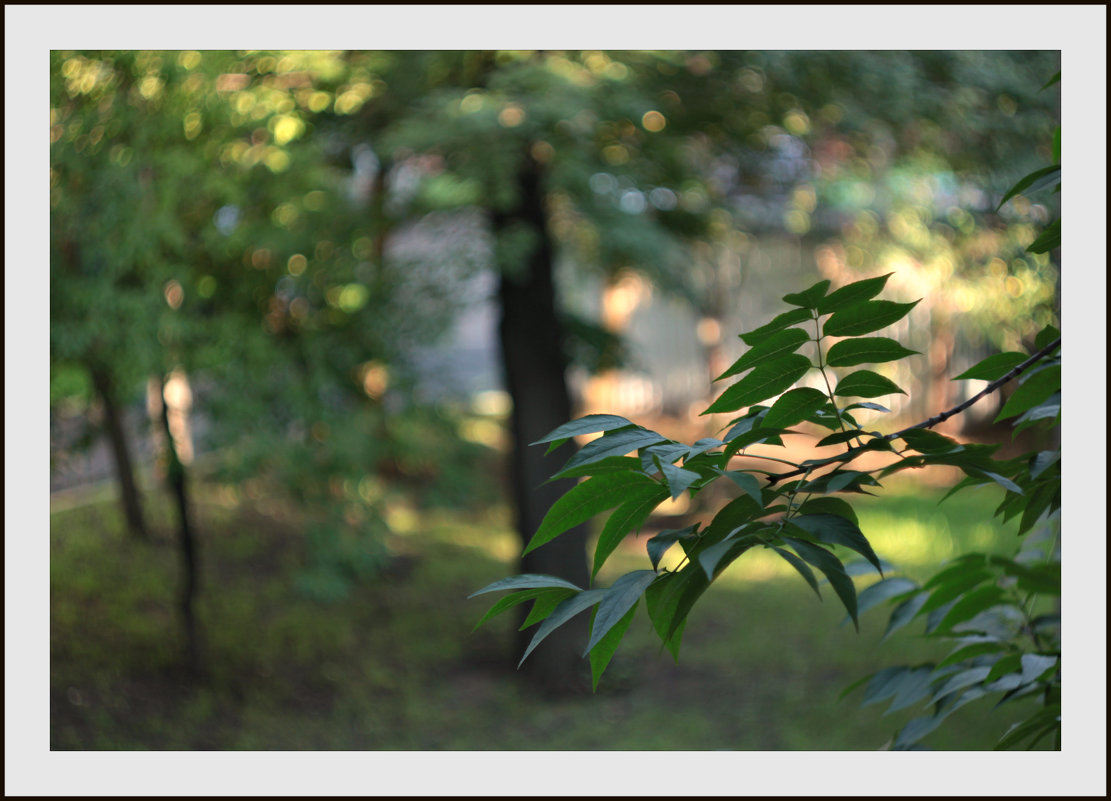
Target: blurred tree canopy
<point>288,225</point>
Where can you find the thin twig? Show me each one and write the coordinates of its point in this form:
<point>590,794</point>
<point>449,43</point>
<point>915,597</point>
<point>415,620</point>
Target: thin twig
<point>933,421</point>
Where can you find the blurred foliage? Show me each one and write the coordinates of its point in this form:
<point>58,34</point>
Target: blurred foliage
<point>194,222</point>
<point>289,225</point>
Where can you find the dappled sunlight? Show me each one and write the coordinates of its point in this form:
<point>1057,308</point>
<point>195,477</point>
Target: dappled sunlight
<point>355,284</point>
<point>492,535</point>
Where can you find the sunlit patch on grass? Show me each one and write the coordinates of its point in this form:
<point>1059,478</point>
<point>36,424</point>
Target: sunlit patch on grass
<point>492,534</point>
<point>401,518</point>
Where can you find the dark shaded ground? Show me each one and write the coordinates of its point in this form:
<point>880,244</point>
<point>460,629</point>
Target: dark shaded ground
<point>395,665</point>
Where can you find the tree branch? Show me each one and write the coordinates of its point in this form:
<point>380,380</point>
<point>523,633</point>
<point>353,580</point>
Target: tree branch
<point>933,421</point>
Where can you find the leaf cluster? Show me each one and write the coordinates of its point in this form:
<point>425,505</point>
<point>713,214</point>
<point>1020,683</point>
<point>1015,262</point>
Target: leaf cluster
<point>983,601</point>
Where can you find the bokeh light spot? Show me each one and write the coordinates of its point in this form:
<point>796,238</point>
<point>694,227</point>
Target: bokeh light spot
<point>173,293</point>
<point>511,116</point>
<point>653,121</point>
<point>375,379</point>
<point>352,298</point>
<point>297,264</point>
<point>615,154</point>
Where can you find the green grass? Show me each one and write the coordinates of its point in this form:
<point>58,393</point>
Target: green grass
<point>396,666</point>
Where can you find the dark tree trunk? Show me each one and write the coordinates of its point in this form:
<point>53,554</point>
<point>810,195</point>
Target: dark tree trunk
<point>187,542</point>
<point>125,475</point>
<point>533,358</point>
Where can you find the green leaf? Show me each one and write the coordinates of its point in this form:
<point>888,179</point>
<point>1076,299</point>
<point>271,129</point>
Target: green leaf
<point>794,406</point>
<point>509,601</point>
<point>1050,178</point>
<point>1010,663</point>
<point>768,436</point>
<point>966,563</point>
<point>1040,577</point>
<point>585,500</point>
<point>1043,496</point>
<point>838,481</point>
<point>525,581</point>
<point>678,479</point>
<point>543,606</point>
<point>1036,389</point>
<point>618,600</point>
<point>971,605</point>
<point>1036,666</point>
<point>904,613</point>
<point>801,566</point>
<point>904,685</point>
<point>862,567</point>
<point>883,590</point>
<point>566,610</point>
<point>616,443</point>
<point>829,506</point>
<point>1057,145</point>
<point>836,530</point>
<point>808,298</point>
<point>669,602</point>
<point>1045,336</point>
<point>762,383</point>
<point>885,683</point>
<point>830,565</point>
<point>882,685</point>
<point>1055,79</point>
<point>631,514</point>
<point>778,323</point>
<point>993,367</point>
<point>966,678</point>
<point>747,482</point>
<point>746,423</point>
<point>1050,409</point>
<point>864,318</point>
<point>1002,481</point>
<point>611,464</point>
<point>970,481</point>
<point>915,730</point>
<point>769,350</point>
<point>867,405</point>
<point>602,653</point>
<point>966,652</point>
<point>1053,173</point>
<point>852,294</point>
<point>590,424</point>
<point>866,350</point>
<point>954,585</point>
<point>733,515</point>
<point>725,552</point>
<point>1049,239</point>
<point>837,437</point>
<point>667,452</point>
<point>925,441</point>
<point>658,545</point>
<point>912,688</point>
<point>866,384</point>
<point>1043,722</point>
<point>700,447</point>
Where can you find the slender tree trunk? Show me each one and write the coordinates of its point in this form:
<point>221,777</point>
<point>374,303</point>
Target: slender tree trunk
<point>117,436</point>
<point>187,542</point>
<point>533,358</point>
